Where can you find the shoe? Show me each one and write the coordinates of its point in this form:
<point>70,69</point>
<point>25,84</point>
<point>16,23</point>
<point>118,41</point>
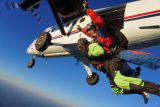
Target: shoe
<point>137,70</point>
<point>145,97</point>
<point>158,93</point>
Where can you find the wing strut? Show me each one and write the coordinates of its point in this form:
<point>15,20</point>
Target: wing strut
<point>51,4</point>
<point>88,69</point>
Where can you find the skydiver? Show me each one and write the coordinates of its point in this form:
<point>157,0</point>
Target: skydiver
<point>98,31</point>
<point>112,66</point>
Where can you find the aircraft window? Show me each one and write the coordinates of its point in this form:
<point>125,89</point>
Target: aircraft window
<point>68,24</point>
<point>52,29</point>
<point>82,19</point>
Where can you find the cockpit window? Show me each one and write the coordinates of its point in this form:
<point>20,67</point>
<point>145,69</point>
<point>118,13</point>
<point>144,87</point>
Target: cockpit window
<point>82,20</point>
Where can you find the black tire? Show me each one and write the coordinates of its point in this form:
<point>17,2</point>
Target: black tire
<point>92,80</point>
<point>31,63</point>
<point>43,41</point>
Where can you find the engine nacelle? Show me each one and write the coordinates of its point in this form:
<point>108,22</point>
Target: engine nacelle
<point>69,8</point>
<point>27,4</point>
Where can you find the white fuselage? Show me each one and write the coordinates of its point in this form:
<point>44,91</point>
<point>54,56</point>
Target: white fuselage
<point>140,14</point>
<point>141,27</point>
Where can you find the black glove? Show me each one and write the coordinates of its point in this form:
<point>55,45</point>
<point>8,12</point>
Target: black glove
<point>79,27</point>
<point>116,49</point>
<point>85,5</point>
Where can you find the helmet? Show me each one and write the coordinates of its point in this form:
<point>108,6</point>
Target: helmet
<point>82,43</point>
<point>89,26</point>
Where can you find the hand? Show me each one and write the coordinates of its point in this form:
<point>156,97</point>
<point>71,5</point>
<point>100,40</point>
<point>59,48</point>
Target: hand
<point>85,5</point>
<point>117,49</point>
<point>79,27</point>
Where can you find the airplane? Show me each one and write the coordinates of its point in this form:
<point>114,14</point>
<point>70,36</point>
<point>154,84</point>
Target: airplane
<point>138,21</point>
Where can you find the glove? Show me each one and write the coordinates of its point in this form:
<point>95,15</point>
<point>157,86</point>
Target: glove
<point>85,5</point>
<point>79,27</point>
<point>117,49</point>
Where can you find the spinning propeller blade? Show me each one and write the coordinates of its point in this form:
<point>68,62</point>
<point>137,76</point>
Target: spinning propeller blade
<point>25,7</point>
<point>11,5</point>
<point>36,16</point>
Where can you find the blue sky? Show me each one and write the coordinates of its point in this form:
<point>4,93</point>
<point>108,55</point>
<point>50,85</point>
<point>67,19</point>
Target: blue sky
<point>60,79</point>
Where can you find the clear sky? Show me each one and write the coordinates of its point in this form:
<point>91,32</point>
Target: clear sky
<point>60,79</point>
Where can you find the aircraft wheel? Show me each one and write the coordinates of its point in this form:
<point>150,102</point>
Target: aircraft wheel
<point>31,63</point>
<point>93,79</point>
<point>43,41</point>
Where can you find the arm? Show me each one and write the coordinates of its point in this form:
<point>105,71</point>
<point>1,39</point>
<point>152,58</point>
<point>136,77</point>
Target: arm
<point>83,30</point>
<point>97,20</point>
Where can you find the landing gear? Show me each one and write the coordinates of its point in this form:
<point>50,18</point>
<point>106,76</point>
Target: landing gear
<point>31,63</point>
<point>43,41</point>
<point>93,79</point>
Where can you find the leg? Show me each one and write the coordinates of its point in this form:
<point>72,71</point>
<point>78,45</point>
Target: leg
<point>111,66</point>
<point>148,87</point>
<point>116,64</point>
<point>140,58</point>
<point>117,90</point>
<point>127,71</point>
<point>138,84</point>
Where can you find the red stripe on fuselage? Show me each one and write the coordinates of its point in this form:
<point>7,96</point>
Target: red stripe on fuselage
<point>142,14</point>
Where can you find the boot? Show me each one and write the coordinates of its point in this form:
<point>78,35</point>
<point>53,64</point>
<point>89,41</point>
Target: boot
<point>145,96</point>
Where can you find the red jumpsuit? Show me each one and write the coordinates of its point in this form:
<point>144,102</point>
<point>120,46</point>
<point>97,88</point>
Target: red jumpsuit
<point>135,57</point>
<point>102,35</point>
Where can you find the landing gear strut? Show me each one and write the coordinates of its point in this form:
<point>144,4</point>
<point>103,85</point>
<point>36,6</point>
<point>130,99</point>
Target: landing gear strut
<point>31,63</point>
<point>93,79</point>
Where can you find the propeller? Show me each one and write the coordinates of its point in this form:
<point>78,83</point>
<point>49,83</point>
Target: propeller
<point>36,16</point>
<point>26,5</point>
<point>11,5</point>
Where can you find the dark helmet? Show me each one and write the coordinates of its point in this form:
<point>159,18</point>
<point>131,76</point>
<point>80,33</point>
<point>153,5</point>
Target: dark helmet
<point>82,42</point>
<point>89,26</point>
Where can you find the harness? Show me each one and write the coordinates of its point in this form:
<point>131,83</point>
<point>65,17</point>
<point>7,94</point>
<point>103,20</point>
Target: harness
<point>113,42</point>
